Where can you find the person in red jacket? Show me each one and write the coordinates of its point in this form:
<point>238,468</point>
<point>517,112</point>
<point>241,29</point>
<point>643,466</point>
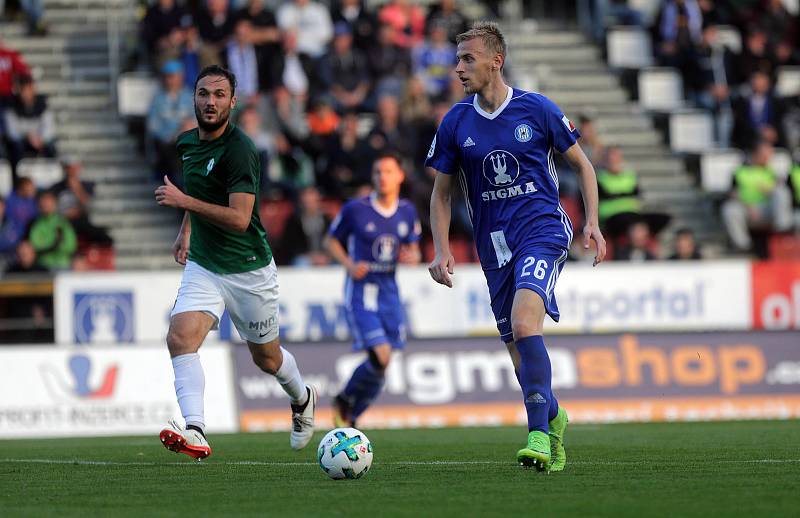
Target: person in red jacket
<point>12,66</point>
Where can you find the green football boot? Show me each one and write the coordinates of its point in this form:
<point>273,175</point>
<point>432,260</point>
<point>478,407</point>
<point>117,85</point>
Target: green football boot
<point>558,426</point>
<point>537,453</point>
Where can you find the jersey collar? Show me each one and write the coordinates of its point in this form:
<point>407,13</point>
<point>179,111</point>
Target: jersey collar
<point>386,213</point>
<point>498,111</point>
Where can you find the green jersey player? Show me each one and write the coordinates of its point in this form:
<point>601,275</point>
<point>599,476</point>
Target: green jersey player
<point>228,264</point>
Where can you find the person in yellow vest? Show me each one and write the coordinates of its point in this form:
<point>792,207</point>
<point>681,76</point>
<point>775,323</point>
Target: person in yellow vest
<point>758,201</point>
<point>794,187</point>
<point>620,198</point>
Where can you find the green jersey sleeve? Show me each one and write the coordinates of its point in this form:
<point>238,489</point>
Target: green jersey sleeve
<point>243,169</point>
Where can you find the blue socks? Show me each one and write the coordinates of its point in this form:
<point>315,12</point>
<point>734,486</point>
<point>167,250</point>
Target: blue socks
<point>534,377</point>
<point>364,386</point>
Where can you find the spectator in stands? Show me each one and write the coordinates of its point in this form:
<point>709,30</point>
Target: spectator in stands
<point>679,31</point>
<point>757,200</point>
<point>242,61</point>
<point>434,60</point>
<point>194,55</point>
<point>794,187</point>
<point>74,197</point>
<point>216,24</point>
<point>595,15</point>
<point>312,23</point>
<point>590,142</point>
<point>390,132</point>
<point>363,24</point>
<point>637,247</point>
<point>757,115</point>
<point>305,230</point>
<point>162,31</point>
<point>171,112</point>
<point>708,81</point>
<point>686,248</point>
<point>250,122</point>
<point>389,64</point>
<point>415,105</point>
<point>12,67</point>
<point>266,37</point>
<point>25,260</point>
<point>407,20</point>
<point>446,13</point>
<point>777,23</point>
<point>30,123</point>
<point>345,166</point>
<point>756,56</point>
<point>20,210</point>
<point>8,235</point>
<point>296,70</point>
<point>52,236</point>
<point>344,69</point>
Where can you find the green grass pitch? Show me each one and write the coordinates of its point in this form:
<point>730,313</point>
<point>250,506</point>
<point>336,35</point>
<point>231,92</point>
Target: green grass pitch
<point>695,469</point>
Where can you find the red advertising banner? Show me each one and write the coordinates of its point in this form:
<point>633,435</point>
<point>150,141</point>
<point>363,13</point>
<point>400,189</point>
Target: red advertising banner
<point>776,295</point>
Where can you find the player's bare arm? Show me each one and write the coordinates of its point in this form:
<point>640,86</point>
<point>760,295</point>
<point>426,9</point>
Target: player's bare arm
<point>442,266</point>
<point>410,254</point>
<point>588,180</point>
<point>357,270</point>
<point>234,217</point>
<point>180,250</point>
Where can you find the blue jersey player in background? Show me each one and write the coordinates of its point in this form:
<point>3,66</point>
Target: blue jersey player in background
<point>499,143</point>
<point>369,237</point>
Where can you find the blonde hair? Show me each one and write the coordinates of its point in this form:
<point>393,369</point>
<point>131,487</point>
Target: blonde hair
<point>489,32</point>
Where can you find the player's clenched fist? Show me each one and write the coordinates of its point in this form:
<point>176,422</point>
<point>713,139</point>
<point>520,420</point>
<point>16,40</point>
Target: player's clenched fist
<point>359,270</point>
<point>442,268</point>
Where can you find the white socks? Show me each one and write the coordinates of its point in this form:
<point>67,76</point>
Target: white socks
<point>290,379</point>
<point>189,385</point>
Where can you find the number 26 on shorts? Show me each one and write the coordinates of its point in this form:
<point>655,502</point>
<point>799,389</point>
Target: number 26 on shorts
<point>539,270</point>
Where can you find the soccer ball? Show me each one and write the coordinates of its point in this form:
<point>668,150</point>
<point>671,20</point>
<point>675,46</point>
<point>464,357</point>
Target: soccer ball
<point>345,453</point>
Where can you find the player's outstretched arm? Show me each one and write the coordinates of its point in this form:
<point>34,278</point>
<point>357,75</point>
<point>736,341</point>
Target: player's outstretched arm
<point>356,270</point>
<point>442,266</point>
<point>588,180</point>
<point>234,217</point>
<point>180,250</point>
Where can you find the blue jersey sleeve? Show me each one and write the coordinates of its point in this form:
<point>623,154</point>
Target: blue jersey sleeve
<point>561,132</point>
<point>414,224</point>
<point>341,227</point>
<point>443,153</point>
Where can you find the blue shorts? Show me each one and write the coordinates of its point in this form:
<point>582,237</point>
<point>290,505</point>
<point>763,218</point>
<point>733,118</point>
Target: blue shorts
<point>371,328</point>
<point>534,267</point>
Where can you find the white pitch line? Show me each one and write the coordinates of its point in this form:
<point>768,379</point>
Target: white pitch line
<point>396,463</point>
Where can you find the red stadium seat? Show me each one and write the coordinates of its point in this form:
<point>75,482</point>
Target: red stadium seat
<point>463,251</point>
<point>784,247</point>
<point>274,215</point>
<point>99,257</point>
<point>574,210</point>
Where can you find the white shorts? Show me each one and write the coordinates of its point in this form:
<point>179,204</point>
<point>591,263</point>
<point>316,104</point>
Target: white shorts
<point>250,297</point>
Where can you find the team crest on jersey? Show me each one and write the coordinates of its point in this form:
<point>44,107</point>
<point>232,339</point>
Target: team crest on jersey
<point>370,227</point>
<point>210,166</point>
<point>383,248</point>
<point>523,133</point>
<point>501,168</point>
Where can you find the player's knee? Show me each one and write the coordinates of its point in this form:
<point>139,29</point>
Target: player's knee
<point>179,343</point>
<point>379,359</point>
<point>267,362</point>
<point>522,328</point>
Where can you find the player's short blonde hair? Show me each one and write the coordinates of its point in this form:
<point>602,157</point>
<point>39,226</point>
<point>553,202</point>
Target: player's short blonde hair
<point>489,32</point>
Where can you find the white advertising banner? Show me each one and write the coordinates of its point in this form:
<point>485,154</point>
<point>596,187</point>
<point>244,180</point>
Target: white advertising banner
<point>614,297</point>
<point>78,391</point>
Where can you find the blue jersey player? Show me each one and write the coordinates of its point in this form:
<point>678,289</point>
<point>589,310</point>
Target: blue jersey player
<point>369,237</point>
<point>499,143</point>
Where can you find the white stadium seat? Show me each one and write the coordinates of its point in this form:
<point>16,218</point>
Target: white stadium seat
<point>629,47</point>
<point>647,8</point>
<point>793,6</point>
<point>134,93</point>
<point>43,171</point>
<point>788,82</point>
<point>717,168</point>
<point>6,180</point>
<point>691,131</point>
<point>730,37</point>
<point>781,162</point>
<point>660,89</point>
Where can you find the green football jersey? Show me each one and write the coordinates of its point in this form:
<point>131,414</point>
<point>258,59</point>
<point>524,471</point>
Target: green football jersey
<point>211,171</point>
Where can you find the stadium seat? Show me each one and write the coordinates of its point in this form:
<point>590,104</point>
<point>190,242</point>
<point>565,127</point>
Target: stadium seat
<point>788,84</point>
<point>691,131</point>
<point>134,93</point>
<point>784,247</point>
<point>99,257</point>
<point>660,89</point>
<point>43,171</point>
<point>6,179</point>
<point>647,8</point>
<point>274,215</point>
<point>793,6</point>
<point>717,167</point>
<point>730,37</point>
<point>781,162</point>
<point>574,210</point>
<point>629,47</point>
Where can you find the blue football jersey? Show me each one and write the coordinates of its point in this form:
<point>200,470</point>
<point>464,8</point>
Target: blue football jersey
<point>373,234</point>
<point>504,162</point>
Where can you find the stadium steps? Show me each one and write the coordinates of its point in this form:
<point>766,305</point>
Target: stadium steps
<point>571,71</point>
